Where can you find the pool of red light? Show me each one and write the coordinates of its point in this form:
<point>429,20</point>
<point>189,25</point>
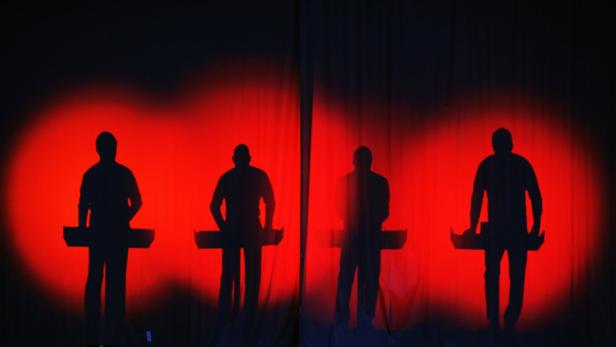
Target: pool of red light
<point>430,166</point>
<point>177,149</point>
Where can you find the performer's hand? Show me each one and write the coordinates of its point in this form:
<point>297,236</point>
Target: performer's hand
<point>535,229</point>
<point>470,231</point>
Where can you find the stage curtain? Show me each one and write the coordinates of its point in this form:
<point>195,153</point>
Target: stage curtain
<point>179,89</point>
<point>424,86</point>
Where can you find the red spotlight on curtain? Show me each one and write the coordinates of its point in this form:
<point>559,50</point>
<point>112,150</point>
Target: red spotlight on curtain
<point>177,148</point>
<point>430,158</point>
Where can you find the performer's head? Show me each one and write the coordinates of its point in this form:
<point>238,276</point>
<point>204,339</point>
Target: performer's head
<point>502,143</point>
<point>106,146</point>
<point>362,158</point>
<point>241,155</point>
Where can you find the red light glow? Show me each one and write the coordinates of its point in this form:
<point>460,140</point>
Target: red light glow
<point>430,165</point>
<point>177,150</point>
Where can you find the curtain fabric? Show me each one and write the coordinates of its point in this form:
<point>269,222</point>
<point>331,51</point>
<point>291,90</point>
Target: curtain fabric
<point>421,85</point>
<point>424,86</point>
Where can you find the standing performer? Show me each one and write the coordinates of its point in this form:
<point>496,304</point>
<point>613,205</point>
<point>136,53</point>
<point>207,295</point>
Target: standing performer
<point>241,188</point>
<point>506,177</point>
<point>109,192</point>
<point>363,206</point>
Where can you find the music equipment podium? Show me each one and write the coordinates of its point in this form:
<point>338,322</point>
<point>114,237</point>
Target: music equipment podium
<point>85,237</point>
<point>388,239</point>
<point>480,241</point>
<point>215,239</point>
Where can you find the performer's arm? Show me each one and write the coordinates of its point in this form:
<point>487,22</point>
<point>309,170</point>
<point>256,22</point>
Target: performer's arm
<point>270,203</point>
<point>385,212</point>
<point>477,198</point>
<point>535,197</point>
<point>216,203</point>
<point>135,198</point>
<point>84,202</point>
<point>83,216</point>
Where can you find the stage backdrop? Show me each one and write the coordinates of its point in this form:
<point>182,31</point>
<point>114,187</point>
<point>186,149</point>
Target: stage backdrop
<point>424,86</point>
<point>177,147</point>
<point>430,167</point>
<point>179,86</point>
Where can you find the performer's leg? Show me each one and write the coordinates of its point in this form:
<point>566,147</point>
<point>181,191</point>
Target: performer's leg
<point>372,271</point>
<point>252,266</point>
<point>493,256</point>
<point>115,285</point>
<point>517,270</point>
<point>348,264</point>
<point>230,273</point>
<point>237,297</point>
<point>92,296</point>
<point>361,286</point>
<point>115,291</point>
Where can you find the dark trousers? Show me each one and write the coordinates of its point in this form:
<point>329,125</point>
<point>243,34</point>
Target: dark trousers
<point>113,260</point>
<point>517,269</point>
<point>229,296</point>
<point>367,260</point>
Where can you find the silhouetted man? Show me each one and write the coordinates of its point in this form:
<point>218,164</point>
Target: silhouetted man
<point>241,188</point>
<point>109,191</point>
<point>363,206</point>
<point>506,177</point>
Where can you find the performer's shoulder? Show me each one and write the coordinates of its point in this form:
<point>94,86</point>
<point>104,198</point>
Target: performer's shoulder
<point>92,171</point>
<point>257,172</point>
<point>487,164</point>
<point>227,174</point>
<point>487,160</point>
<point>379,178</point>
<point>123,170</point>
<point>521,161</point>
